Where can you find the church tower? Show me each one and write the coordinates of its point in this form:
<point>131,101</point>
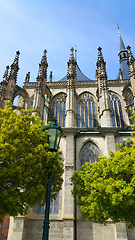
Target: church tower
<point>123,57</point>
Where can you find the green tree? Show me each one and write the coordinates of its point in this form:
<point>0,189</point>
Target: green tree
<point>106,189</point>
<point>25,162</point>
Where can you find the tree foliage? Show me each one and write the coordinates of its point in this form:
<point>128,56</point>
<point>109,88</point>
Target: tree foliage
<point>106,189</point>
<point>25,162</point>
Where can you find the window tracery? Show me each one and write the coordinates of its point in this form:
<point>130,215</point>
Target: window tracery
<point>59,109</point>
<point>86,111</point>
<point>54,207</point>
<point>127,93</point>
<point>89,153</point>
<point>116,111</point>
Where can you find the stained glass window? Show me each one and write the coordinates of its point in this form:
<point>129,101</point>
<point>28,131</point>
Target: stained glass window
<point>59,109</point>
<point>86,111</point>
<point>54,207</point>
<point>129,103</point>
<point>89,153</point>
<point>116,111</point>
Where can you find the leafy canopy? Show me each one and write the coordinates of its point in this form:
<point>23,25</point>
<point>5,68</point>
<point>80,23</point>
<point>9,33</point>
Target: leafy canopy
<point>106,189</point>
<point>25,162</point>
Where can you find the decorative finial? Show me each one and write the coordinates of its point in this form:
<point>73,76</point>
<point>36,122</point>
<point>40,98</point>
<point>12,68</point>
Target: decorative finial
<point>44,58</point>
<point>71,53</point>
<point>99,49</point>
<point>128,47</point>
<point>45,52</point>
<point>17,53</point>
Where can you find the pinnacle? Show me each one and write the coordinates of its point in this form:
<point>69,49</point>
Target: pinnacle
<point>99,49</point>
<point>18,53</point>
<point>45,52</point>
<point>71,53</point>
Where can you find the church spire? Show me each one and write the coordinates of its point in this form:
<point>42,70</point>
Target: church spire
<point>122,46</point>
<point>123,72</point>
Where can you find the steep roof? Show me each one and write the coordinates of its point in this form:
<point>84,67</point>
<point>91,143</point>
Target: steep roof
<point>79,76</point>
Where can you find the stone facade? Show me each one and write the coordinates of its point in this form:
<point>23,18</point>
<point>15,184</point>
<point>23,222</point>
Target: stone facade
<point>94,115</point>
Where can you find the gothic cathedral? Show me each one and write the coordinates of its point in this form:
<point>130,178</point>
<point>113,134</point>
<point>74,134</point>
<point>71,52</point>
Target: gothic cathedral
<point>94,116</point>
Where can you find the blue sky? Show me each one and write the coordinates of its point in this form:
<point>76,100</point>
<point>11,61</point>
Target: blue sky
<point>57,25</point>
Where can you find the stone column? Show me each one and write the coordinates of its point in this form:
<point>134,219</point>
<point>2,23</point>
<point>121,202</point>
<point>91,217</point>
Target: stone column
<point>109,139</point>
<point>68,201</point>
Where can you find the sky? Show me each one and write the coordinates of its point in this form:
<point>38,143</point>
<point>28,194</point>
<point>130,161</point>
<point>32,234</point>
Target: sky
<point>57,25</point>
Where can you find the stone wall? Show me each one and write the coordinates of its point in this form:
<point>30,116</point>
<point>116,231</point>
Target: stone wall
<point>33,230</point>
<point>94,231</point>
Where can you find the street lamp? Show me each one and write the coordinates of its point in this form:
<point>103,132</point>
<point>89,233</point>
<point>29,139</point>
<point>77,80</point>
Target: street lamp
<point>53,141</point>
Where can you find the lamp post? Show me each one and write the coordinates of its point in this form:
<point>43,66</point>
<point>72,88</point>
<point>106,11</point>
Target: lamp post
<point>53,141</point>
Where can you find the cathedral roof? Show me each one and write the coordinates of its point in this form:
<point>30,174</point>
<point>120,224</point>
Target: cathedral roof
<point>79,76</point>
<point>124,70</point>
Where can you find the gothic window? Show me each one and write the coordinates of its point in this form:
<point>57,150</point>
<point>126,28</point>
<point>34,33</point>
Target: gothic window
<point>129,103</point>
<point>31,102</point>
<point>89,153</point>
<point>59,108</point>
<point>86,111</point>
<point>116,111</point>
<point>54,207</point>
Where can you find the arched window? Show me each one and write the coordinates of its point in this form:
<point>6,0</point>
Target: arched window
<point>86,111</point>
<point>31,104</point>
<point>54,207</point>
<point>59,108</point>
<point>116,111</point>
<point>127,93</point>
<point>89,153</point>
